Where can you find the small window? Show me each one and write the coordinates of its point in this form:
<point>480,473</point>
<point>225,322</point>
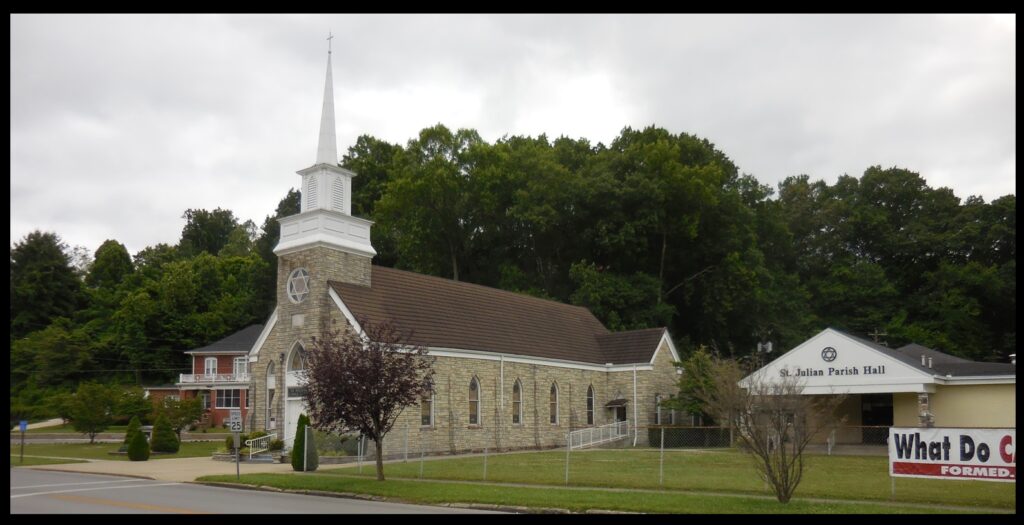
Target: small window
<point>590,405</point>
<point>474,402</point>
<point>297,286</point>
<point>248,400</point>
<point>554,403</point>
<point>427,410</point>
<point>210,366</point>
<point>228,399</point>
<point>241,366</point>
<point>517,403</point>
<point>672,412</point>
<point>657,409</point>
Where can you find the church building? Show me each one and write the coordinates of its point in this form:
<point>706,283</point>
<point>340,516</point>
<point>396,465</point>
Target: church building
<point>511,371</point>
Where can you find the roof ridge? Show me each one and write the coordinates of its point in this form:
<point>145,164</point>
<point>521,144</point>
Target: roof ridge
<point>469,284</point>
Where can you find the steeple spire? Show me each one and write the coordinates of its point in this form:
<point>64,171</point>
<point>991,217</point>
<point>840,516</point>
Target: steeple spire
<point>327,147</point>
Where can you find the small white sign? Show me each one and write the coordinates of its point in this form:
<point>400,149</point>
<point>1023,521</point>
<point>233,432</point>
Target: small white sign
<point>235,421</point>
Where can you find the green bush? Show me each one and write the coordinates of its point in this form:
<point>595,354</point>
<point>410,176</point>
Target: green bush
<point>257,434</point>
<point>138,449</point>
<point>277,444</point>
<point>164,438</point>
<point>229,442</point>
<point>133,428</point>
<point>312,460</point>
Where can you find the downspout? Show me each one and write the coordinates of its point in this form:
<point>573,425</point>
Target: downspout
<point>500,424</point>
<point>635,420</point>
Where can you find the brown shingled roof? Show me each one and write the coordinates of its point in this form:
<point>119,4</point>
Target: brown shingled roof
<point>451,314</point>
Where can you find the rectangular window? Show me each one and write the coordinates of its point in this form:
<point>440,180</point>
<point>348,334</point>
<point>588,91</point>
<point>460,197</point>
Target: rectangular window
<point>241,365</point>
<point>248,400</point>
<point>210,366</point>
<point>229,399</point>
<point>657,409</point>
<point>427,411</point>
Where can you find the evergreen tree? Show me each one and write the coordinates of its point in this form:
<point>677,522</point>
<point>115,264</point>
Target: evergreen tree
<point>298,448</point>
<point>164,438</point>
<point>138,449</point>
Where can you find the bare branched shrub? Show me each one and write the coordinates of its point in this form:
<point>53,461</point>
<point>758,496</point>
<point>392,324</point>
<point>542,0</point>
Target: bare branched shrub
<point>771,419</point>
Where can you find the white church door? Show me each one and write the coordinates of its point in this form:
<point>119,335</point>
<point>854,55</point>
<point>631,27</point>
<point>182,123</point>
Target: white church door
<point>295,392</point>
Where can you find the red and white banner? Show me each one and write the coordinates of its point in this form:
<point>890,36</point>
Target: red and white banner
<point>953,453</point>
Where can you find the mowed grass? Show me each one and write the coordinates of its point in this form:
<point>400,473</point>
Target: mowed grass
<point>832,477</point>
<point>101,450</point>
<point>16,461</point>
<point>115,429</point>
<point>576,500</point>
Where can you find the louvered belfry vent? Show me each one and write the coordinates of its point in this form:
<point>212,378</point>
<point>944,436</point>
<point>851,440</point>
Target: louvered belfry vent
<point>311,201</point>
<point>338,196</point>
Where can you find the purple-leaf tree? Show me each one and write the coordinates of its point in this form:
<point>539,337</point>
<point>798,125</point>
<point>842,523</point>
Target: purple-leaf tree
<point>362,381</point>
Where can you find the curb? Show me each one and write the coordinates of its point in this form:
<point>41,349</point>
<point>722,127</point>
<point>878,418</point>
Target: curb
<point>96,473</point>
<point>353,495</point>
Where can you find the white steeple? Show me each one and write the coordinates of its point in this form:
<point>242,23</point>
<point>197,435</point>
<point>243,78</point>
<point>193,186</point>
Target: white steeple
<point>325,216</point>
<point>327,147</point>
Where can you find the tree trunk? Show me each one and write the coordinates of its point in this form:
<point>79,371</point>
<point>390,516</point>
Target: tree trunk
<point>379,442</point>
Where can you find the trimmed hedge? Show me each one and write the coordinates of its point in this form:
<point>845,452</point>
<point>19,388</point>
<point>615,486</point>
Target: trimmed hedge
<point>138,449</point>
<point>164,438</point>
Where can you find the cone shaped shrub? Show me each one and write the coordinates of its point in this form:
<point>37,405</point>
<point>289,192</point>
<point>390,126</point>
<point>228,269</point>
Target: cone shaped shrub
<point>298,447</point>
<point>138,449</point>
<point>164,438</point>
<point>133,428</point>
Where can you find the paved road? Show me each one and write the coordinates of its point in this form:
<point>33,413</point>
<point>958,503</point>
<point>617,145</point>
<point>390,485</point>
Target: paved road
<point>35,491</point>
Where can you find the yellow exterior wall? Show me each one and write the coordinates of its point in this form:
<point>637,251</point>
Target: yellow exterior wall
<point>975,406</point>
<point>904,410</point>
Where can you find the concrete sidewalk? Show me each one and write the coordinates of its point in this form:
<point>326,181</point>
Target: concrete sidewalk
<point>180,470</point>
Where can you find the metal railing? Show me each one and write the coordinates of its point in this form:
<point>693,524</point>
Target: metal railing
<point>260,444</point>
<point>213,378</point>
<point>587,437</point>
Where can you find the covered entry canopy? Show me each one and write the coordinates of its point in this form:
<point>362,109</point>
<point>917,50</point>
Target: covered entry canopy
<point>834,362</point>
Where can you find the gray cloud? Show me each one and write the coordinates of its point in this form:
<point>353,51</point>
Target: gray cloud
<point>121,122</point>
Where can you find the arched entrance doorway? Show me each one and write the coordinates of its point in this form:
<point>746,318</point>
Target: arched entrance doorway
<point>295,392</point>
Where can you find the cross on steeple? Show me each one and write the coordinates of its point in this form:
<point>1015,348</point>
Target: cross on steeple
<point>329,38</point>
<point>876,335</point>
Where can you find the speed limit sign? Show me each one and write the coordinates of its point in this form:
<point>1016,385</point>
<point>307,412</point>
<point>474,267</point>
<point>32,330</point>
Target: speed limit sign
<point>235,421</point>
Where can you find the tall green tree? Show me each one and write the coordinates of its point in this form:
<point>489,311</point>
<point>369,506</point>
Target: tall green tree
<point>206,231</point>
<point>112,265</point>
<point>44,286</point>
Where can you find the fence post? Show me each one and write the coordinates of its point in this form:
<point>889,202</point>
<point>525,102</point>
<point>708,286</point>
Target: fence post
<point>568,447</point>
<point>485,463</point>
<point>421,455</point>
<point>359,450</point>
<point>661,467</point>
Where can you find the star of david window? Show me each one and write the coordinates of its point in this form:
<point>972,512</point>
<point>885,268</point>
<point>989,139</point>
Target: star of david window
<point>298,285</point>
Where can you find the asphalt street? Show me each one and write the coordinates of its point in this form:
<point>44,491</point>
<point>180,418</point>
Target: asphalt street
<point>36,491</point>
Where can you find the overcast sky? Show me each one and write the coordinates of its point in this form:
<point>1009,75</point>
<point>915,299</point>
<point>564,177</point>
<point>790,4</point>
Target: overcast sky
<point>121,122</point>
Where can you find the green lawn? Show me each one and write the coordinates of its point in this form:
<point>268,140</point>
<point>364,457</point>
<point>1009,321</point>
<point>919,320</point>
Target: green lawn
<point>100,450</point>
<point>67,429</point>
<point>838,477</point>
<point>576,500</point>
<point>29,461</point>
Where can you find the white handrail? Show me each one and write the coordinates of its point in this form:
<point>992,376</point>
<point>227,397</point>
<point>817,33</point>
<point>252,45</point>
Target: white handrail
<point>260,444</point>
<point>609,432</point>
<point>213,378</point>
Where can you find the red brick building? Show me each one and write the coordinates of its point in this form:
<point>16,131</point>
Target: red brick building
<point>220,376</point>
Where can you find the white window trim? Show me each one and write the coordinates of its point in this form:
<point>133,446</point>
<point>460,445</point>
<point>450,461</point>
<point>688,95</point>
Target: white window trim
<point>558,400</point>
<point>244,362</point>
<point>206,366</point>
<point>518,412</point>
<point>591,405</point>
<point>217,398</point>
<point>478,402</point>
